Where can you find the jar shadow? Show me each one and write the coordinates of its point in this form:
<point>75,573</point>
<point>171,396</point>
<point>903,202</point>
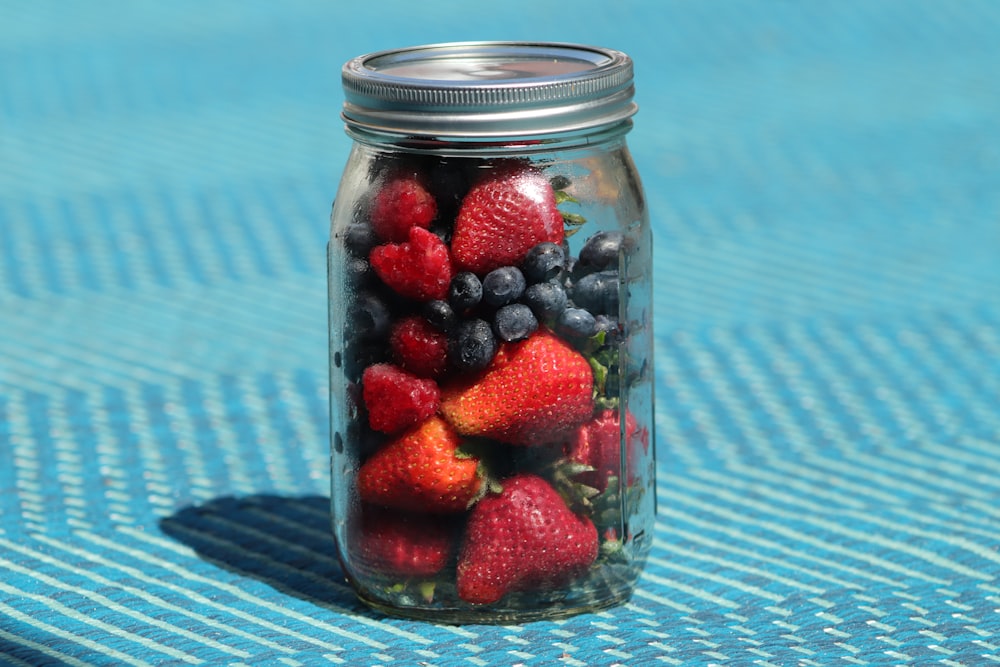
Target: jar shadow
<point>282,541</point>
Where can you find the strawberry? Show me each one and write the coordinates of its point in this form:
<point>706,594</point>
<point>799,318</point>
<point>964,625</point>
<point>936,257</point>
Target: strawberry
<point>597,444</point>
<point>418,268</point>
<point>422,470</point>
<point>533,392</point>
<point>419,347</point>
<point>396,399</point>
<point>525,538</point>
<point>401,203</point>
<point>508,212</point>
<point>401,544</point>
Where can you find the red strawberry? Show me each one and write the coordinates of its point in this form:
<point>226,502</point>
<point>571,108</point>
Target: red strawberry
<point>403,202</point>
<point>504,215</point>
<point>421,471</point>
<point>401,544</point>
<point>525,538</point>
<point>419,268</point>
<point>396,399</point>
<point>597,444</point>
<point>419,347</point>
<point>535,391</point>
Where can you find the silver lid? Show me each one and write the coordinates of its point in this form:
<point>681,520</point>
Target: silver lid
<point>488,89</point>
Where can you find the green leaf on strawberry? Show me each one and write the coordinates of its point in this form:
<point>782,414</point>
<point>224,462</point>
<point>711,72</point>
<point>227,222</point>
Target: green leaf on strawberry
<point>562,197</point>
<point>603,360</point>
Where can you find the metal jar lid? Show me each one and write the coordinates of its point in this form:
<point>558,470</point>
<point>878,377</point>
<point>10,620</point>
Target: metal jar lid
<point>488,89</point>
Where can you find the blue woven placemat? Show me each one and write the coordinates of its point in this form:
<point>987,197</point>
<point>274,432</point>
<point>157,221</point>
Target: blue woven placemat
<point>825,184</point>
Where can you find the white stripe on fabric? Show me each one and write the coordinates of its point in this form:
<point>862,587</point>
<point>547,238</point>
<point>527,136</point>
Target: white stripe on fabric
<point>92,622</point>
<point>148,597</point>
<point>195,596</point>
<point>48,651</point>
<point>319,581</point>
<point>690,590</point>
<point>726,529</point>
<point>249,597</point>
<point>120,609</point>
<point>750,555</point>
<point>717,493</point>
<point>815,483</point>
<point>819,510</point>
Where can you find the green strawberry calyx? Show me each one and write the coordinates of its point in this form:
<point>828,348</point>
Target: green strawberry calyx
<point>603,360</point>
<point>484,452</point>
<point>572,221</point>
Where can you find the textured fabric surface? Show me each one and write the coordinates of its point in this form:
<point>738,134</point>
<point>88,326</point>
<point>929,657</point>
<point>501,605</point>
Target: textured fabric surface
<point>824,180</point>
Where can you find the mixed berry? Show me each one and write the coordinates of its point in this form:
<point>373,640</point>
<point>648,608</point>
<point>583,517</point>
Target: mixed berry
<point>484,360</point>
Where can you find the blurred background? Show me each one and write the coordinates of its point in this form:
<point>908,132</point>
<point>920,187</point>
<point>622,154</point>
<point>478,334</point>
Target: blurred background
<point>167,170</point>
<point>824,183</point>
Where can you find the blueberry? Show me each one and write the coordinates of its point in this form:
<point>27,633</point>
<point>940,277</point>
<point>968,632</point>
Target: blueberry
<point>597,292</point>
<point>440,315</point>
<point>472,345</point>
<point>543,262</point>
<point>359,239</point>
<point>547,300</point>
<point>359,354</point>
<point>601,250</point>
<point>572,273</point>
<point>610,327</point>
<point>359,271</point>
<point>370,317</point>
<point>465,291</point>
<point>576,323</point>
<point>514,322</point>
<point>559,182</point>
<point>502,286</point>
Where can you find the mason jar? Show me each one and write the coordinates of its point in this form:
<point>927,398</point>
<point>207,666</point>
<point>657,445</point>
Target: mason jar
<point>491,342</point>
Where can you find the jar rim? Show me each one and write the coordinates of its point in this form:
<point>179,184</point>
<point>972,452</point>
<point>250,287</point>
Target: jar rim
<point>488,89</point>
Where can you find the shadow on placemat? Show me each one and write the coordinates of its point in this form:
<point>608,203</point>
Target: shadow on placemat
<point>282,541</point>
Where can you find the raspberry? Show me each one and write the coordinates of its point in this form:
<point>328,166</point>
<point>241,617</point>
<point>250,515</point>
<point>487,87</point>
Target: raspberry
<point>419,268</point>
<point>597,444</point>
<point>419,347</point>
<point>402,203</point>
<point>396,399</point>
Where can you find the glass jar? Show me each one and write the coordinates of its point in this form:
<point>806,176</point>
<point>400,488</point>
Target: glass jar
<point>491,343</point>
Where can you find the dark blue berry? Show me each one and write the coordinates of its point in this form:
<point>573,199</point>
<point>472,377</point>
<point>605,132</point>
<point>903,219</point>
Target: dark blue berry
<point>465,291</point>
<point>559,182</point>
<point>601,250</point>
<point>514,322</point>
<point>543,262</point>
<point>576,323</point>
<point>440,314</point>
<point>370,317</point>
<point>359,271</point>
<point>472,345</point>
<point>597,292</point>
<point>359,354</point>
<point>609,325</point>
<point>502,286</point>
<point>546,300</point>
<point>359,239</point>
